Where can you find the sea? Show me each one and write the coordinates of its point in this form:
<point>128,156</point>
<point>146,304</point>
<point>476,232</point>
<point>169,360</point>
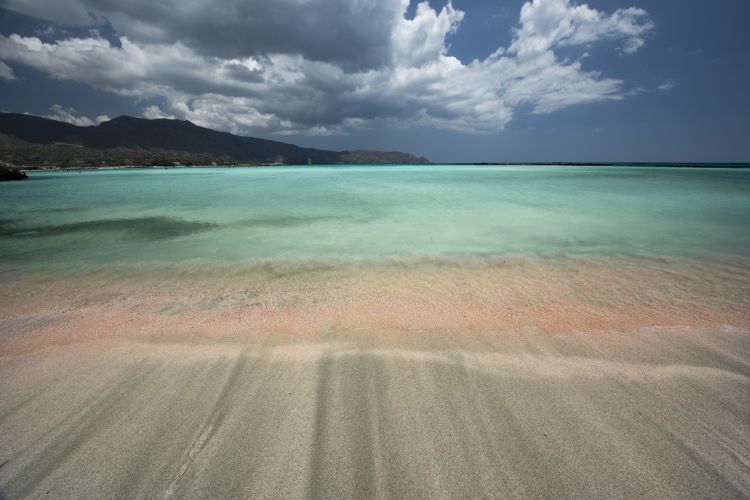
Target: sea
<point>442,247</point>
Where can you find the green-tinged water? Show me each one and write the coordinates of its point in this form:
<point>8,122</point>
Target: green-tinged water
<point>371,213</point>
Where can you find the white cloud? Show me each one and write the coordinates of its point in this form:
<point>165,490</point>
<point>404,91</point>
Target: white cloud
<point>72,116</point>
<point>668,85</point>
<point>154,112</point>
<point>6,72</point>
<point>422,40</point>
<point>292,91</point>
<point>546,24</point>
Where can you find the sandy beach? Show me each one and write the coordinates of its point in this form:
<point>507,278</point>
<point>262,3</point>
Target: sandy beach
<point>330,383</point>
<point>656,414</point>
<point>365,332</point>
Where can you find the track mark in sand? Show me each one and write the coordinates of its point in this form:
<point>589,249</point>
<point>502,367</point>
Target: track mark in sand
<point>209,427</point>
<point>12,410</point>
<point>192,453</point>
<point>314,487</point>
<point>73,432</point>
<point>347,449</point>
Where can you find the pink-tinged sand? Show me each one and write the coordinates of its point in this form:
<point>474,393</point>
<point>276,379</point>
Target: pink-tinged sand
<point>479,380</point>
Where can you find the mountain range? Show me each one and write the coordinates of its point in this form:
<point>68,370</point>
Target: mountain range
<point>29,140</point>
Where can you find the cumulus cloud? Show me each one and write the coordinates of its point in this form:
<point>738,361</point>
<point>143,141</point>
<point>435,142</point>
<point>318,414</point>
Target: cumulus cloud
<point>422,40</point>
<point>153,112</point>
<point>6,72</point>
<point>550,23</point>
<point>72,116</point>
<point>370,64</point>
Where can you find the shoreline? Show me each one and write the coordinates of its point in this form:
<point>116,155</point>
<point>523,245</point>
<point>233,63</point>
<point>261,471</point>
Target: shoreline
<point>314,300</point>
<point>707,165</point>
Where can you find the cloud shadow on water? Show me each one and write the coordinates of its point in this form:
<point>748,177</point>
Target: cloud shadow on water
<point>145,228</point>
<point>281,221</point>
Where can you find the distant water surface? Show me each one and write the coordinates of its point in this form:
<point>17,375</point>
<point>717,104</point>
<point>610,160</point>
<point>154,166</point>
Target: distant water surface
<point>372,213</point>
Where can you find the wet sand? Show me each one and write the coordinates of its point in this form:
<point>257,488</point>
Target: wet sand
<point>325,384</point>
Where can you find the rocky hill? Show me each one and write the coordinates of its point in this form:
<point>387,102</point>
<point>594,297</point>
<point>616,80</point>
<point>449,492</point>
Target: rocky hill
<point>33,141</point>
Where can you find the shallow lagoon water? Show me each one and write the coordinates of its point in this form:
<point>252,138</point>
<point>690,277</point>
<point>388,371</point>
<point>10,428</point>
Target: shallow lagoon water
<point>372,213</point>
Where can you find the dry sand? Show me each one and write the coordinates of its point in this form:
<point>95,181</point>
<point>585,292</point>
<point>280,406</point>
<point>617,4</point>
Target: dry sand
<point>148,393</point>
<point>657,414</point>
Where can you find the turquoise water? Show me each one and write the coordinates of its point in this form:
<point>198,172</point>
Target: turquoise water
<point>372,213</point>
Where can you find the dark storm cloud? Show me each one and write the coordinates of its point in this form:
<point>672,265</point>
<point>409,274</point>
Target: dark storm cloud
<point>352,34</point>
<point>70,13</point>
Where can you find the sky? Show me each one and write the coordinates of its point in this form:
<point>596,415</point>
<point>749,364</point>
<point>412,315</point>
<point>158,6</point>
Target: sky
<point>455,81</point>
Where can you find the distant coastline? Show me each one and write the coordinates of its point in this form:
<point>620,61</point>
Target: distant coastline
<point>32,141</point>
<point>35,143</point>
<point>488,164</point>
<point>615,164</point>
